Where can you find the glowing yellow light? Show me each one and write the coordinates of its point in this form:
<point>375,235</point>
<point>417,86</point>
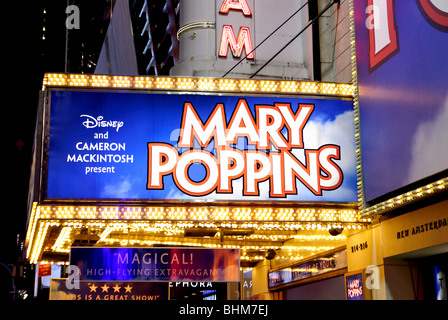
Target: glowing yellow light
<point>100,81</point>
<point>164,83</point>
<point>328,88</point>
<point>227,84</point>
<point>248,85</point>
<point>406,198</point>
<point>64,236</point>
<point>309,87</point>
<point>78,80</point>
<point>185,83</point>
<point>206,84</point>
<point>289,86</point>
<point>169,223</point>
<point>143,82</point>
<point>269,86</point>
<point>121,82</point>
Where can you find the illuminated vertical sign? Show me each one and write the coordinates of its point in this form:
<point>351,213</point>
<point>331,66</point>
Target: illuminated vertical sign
<point>235,5</point>
<point>237,45</point>
<point>401,71</point>
<point>228,38</point>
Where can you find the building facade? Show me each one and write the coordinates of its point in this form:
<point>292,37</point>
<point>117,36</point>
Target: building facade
<point>262,141</point>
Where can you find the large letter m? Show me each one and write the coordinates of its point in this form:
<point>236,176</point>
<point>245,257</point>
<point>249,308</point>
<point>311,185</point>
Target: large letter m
<point>237,45</point>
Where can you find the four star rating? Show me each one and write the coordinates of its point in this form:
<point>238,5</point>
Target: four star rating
<point>105,288</point>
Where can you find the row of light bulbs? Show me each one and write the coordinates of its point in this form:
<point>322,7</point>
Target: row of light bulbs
<point>173,220</point>
<point>429,189</point>
<point>198,213</point>
<point>62,243</point>
<point>201,84</point>
<point>167,229</point>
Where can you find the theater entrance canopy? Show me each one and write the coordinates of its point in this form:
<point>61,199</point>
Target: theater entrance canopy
<point>257,165</point>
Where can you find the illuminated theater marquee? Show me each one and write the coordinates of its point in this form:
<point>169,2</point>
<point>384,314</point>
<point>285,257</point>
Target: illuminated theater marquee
<point>254,165</point>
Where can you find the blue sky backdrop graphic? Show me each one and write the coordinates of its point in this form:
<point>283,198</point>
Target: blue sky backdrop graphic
<point>150,117</point>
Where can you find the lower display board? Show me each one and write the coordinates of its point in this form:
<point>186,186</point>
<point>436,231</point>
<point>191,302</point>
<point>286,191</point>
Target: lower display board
<point>156,264</point>
<point>67,289</point>
<point>64,289</point>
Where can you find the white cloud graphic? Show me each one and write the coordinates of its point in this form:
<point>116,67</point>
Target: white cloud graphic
<point>121,190</point>
<point>430,147</point>
<point>341,132</point>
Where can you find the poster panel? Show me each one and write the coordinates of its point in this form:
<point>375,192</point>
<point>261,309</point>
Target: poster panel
<point>156,264</point>
<point>354,286</point>
<point>129,146</point>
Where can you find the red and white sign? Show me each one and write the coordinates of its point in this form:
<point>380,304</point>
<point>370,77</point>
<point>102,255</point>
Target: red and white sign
<point>44,270</point>
<point>228,39</point>
<point>383,32</point>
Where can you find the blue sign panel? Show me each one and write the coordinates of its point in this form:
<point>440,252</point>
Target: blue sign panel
<point>156,264</point>
<point>401,49</point>
<point>354,287</point>
<point>149,146</point>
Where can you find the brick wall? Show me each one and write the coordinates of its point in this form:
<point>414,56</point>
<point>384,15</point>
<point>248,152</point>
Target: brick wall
<point>334,27</point>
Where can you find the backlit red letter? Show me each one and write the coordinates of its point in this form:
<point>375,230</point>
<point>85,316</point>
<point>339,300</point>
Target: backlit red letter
<point>236,45</point>
<point>235,5</point>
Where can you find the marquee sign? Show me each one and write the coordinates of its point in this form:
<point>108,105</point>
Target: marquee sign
<point>185,147</point>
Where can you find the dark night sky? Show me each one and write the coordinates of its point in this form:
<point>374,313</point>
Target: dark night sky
<point>25,59</point>
<point>20,38</point>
